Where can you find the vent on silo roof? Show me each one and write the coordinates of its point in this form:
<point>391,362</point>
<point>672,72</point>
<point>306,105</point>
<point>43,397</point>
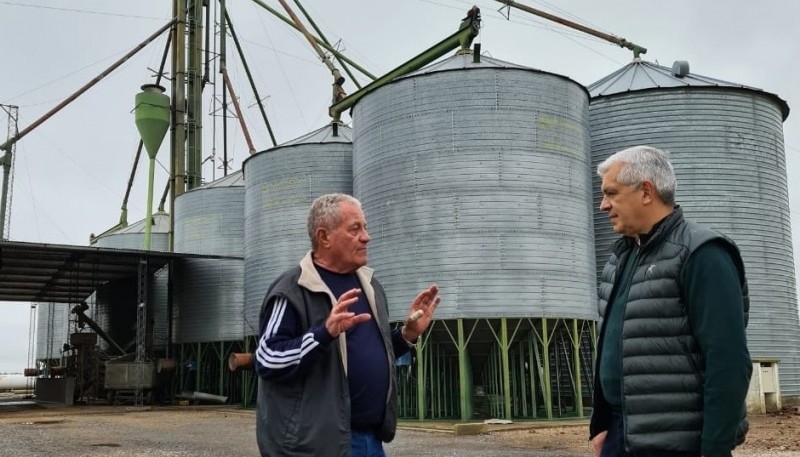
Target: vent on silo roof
<point>680,68</point>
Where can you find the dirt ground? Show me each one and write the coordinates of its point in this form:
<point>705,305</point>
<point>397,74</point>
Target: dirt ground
<point>198,431</point>
<point>771,432</point>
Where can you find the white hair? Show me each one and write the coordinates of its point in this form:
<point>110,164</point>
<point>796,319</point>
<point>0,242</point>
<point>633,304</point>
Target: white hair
<point>326,213</point>
<point>644,163</point>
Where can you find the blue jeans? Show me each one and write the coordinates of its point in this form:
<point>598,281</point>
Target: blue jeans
<point>365,444</point>
<point>614,445</point>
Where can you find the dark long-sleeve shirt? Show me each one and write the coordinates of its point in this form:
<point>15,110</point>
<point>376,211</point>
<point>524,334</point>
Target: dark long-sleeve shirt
<point>286,351</point>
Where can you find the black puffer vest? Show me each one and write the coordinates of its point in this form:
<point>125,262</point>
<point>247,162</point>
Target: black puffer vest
<point>662,365</point>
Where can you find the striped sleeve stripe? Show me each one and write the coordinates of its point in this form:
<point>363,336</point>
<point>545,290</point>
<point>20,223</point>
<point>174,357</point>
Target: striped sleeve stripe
<point>275,318</point>
<point>282,359</point>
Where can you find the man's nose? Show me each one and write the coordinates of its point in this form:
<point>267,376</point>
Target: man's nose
<point>604,204</point>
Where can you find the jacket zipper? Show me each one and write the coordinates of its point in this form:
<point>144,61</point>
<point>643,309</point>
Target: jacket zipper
<point>635,259</point>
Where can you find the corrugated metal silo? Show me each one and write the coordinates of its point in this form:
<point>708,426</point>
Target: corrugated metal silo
<point>116,309</point>
<point>727,148</point>
<point>280,185</point>
<point>132,236</point>
<point>476,176</point>
<point>52,329</point>
<point>208,293</point>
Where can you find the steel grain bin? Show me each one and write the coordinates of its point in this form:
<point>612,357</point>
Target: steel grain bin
<point>52,329</point>
<point>280,185</point>
<point>727,148</point>
<point>208,293</point>
<point>476,176</point>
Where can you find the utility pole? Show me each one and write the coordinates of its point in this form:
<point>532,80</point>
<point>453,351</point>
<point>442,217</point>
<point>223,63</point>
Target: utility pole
<point>8,169</point>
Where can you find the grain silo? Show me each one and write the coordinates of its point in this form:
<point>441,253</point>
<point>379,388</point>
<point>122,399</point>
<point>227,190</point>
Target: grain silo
<point>474,174</point>
<point>727,148</point>
<point>280,184</point>
<point>115,301</point>
<point>208,293</point>
<point>52,333</point>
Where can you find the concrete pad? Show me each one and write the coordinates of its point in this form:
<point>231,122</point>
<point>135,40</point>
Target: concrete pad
<point>470,429</point>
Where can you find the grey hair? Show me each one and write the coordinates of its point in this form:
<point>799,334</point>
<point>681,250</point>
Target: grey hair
<point>326,213</point>
<point>644,163</point>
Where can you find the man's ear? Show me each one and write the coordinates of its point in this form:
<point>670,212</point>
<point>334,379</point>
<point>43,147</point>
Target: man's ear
<point>323,239</point>
<point>649,193</point>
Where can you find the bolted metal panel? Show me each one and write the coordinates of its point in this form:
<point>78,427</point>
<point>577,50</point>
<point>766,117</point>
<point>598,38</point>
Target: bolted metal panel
<point>280,185</point>
<point>727,148</point>
<point>52,329</point>
<point>208,294</point>
<point>157,312</point>
<point>478,179</point>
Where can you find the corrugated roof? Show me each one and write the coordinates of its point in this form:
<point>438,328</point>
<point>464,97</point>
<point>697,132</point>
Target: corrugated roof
<point>323,135</point>
<point>36,272</point>
<point>642,75</point>
<point>235,179</point>
<point>463,61</point>
<point>160,225</point>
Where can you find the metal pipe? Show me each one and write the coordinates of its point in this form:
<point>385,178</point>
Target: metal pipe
<point>178,127</point>
<point>621,42</point>
<point>123,218</point>
<point>163,200</point>
<point>468,30</point>
<point>238,111</point>
<point>319,42</point>
<point>6,147</point>
<point>238,361</point>
<point>322,36</point>
<point>194,90</point>
<point>148,220</point>
<point>338,79</point>
<point>79,311</point>
<point>250,78</point>
<point>85,87</point>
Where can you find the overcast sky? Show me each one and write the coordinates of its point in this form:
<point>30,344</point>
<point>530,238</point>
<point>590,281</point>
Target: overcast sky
<point>71,172</point>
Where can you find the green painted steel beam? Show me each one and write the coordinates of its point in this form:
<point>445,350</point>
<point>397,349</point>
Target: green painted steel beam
<point>546,384</point>
<point>505,368</point>
<point>422,356</point>
<point>576,357</point>
<point>467,32</point>
<point>466,412</point>
<point>328,47</point>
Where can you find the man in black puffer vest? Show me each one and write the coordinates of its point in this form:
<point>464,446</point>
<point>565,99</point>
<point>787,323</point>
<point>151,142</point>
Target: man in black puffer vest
<point>673,367</point>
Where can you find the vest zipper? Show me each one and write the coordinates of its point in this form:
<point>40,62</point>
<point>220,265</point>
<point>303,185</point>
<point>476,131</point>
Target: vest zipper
<point>634,258</point>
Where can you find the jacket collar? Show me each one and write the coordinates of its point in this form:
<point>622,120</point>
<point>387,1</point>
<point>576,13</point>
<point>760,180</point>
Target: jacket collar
<point>311,280</point>
<point>664,228</point>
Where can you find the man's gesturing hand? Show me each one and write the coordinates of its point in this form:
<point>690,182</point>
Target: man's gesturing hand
<point>341,319</point>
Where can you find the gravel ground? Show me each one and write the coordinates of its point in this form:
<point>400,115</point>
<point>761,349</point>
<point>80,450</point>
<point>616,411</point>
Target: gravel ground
<point>216,431</point>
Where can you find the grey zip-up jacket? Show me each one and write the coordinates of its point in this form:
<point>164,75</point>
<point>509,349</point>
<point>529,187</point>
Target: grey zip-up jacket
<point>311,417</point>
<point>663,367</point>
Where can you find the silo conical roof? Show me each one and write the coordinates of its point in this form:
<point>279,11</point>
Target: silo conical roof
<point>323,135</point>
<point>235,179</point>
<point>160,225</point>
<point>642,75</point>
<point>464,61</point>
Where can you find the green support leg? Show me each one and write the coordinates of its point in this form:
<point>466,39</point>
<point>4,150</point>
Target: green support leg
<point>534,405</point>
<point>421,356</point>
<point>547,391</point>
<point>505,367</point>
<point>465,397</point>
<point>576,357</point>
